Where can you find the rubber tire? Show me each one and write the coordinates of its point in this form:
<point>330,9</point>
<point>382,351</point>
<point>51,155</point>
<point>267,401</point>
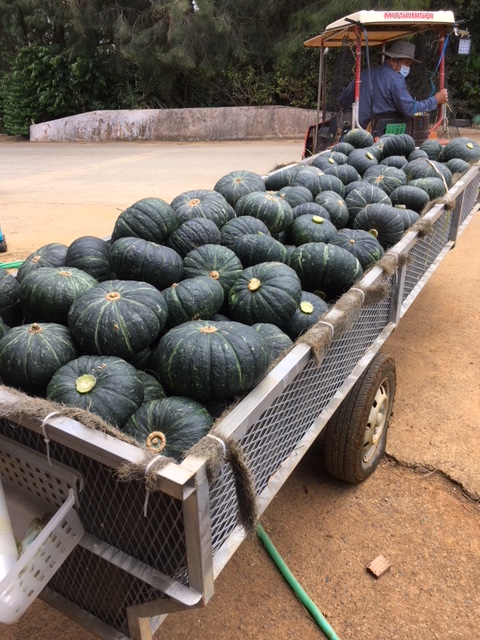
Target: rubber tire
<point>347,429</point>
<point>3,246</point>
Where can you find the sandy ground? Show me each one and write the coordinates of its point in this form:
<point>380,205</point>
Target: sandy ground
<point>420,509</point>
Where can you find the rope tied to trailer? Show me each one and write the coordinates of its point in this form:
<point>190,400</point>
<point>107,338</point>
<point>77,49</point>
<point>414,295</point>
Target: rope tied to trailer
<point>349,306</point>
<point>217,449</point>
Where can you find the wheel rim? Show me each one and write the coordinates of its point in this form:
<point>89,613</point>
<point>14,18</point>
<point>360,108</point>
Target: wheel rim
<point>377,422</point>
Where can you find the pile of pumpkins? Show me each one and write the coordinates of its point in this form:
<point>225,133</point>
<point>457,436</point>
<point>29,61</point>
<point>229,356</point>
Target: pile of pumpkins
<point>183,309</point>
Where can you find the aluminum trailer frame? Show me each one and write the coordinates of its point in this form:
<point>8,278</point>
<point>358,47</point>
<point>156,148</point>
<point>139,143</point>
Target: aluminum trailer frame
<point>130,569</point>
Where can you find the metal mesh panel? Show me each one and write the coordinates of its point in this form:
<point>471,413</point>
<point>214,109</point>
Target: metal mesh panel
<point>425,252</point>
<point>113,511</point>
<point>470,197</point>
<point>101,588</point>
<point>273,437</point>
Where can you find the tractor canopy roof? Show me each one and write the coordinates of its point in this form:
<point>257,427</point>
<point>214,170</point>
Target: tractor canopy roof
<point>381,27</point>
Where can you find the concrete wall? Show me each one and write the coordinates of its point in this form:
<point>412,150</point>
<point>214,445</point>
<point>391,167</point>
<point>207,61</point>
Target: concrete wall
<point>222,123</point>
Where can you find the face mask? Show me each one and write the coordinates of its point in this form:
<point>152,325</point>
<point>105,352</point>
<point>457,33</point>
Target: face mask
<point>404,71</point>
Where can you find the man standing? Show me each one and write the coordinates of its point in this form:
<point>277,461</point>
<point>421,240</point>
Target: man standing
<point>384,95</point>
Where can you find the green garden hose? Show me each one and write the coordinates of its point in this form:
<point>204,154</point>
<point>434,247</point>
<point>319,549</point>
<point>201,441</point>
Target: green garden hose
<point>294,584</point>
<point>11,265</point>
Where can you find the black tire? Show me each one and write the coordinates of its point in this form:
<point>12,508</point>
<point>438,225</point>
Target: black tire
<point>353,445</point>
<point>3,245</point>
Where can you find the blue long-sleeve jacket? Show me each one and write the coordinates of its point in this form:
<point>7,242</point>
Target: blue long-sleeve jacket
<point>389,94</point>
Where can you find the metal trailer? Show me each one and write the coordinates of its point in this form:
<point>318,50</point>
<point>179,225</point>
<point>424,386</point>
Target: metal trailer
<point>119,573</point>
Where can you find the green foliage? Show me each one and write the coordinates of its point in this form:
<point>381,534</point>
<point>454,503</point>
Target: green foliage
<point>65,57</point>
<point>44,84</point>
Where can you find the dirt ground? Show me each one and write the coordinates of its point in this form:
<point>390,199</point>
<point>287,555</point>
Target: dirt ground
<point>420,509</point>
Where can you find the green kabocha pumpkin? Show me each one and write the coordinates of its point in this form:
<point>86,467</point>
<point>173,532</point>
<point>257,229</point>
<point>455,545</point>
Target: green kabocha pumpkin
<point>192,234</point>
<point>385,178</point>
<point>358,138</point>
<point>207,360</point>
<point>463,148</point>
<point>417,153</point>
<point>434,187</point>
<point>409,216</point>
<point>196,298</point>
<point>90,254</point>
<point>118,318</point>
<point>282,177</point>
<point>310,208</point>
<point>383,221</point>
<point>410,196</point>
<point>325,268</point>
<point>329,182</point>
<point>432,148</point>
<point>214,261</point>
<point>152,389</point>
<point>362,244</point>
<point>343,147</point>
<point>138,259</point>
<point>3,328</point>
<point>151,219</point>
<point>277,340</point>
<point>457,165</point>
<point>345,172</point>
<point>394,161</point>
<point>309,312</point>
<point>336,207</point>
<point>202,203</point>
<point>425,168</point>
<point>323,161</point>
<point>30,355</point>
<point>268,207</point>
<point>244,225</point>
<point>362,159</point>
<point>50,255</point>
<point>267,292</point>
<point>11,310</point>
<point>47,293</point>
<point>295,194</point>
<point>359,198</point>
<point>308,228</point>
<point>398,145</point>
<point>309,177</point>
<point>107,386</point>
<point>338,156</point>
<point>255,248</point>
<point>170,426</point>
<point>238,183</point>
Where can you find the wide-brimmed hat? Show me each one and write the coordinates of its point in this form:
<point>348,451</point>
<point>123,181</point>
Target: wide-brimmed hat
<point>402,49</point>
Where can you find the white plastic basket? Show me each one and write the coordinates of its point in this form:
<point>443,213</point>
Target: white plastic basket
<point>35,485</point>
<point>32,571</point>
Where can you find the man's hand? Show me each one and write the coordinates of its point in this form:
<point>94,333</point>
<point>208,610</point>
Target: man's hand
<point>441,96</point>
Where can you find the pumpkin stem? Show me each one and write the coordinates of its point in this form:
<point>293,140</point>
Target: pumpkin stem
<point>254,284</point>
<point>318,219</point>
<point>193,202</point>
<point>208,329</point>
<point>85,383</point>
<point>214,274</point>
<point>156,441</point>
<point>35,328</point>
<point>112,296</point>
<point>374,232</point>
<point>64,273</point>
<point>306,307</point>
<point>351,241</point>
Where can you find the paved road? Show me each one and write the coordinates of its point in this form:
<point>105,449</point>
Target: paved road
<point>60,191</point>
